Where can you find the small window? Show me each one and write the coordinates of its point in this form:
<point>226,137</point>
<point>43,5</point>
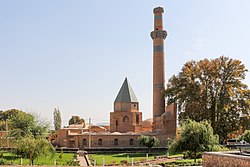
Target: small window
<point>131,142</point>
<point>137,119</point>
<point>99,142</point>
<point>116,142</point>
<point>116,123</point>
<point>84,142</point>
<point>125,119</point>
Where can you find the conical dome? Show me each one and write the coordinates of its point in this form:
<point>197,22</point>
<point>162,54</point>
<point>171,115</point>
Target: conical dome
<point>126,93</point>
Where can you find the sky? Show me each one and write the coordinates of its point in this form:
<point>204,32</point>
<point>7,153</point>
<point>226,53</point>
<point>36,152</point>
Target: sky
<point>75,55</point>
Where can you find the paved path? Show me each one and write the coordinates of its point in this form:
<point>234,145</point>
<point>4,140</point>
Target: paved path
<point>82,161</point>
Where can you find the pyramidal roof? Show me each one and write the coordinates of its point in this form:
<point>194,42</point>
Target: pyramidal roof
<point>126,93</point>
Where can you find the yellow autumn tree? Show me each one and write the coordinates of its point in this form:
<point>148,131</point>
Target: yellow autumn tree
<point>211,90</point>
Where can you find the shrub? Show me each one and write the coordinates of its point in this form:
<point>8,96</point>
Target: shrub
<point>72,163</point>
<point>246,136</point>
<point>2,161</point>
<point>60,156</point>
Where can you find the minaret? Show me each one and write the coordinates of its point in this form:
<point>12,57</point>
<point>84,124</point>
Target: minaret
<point>158,36</point>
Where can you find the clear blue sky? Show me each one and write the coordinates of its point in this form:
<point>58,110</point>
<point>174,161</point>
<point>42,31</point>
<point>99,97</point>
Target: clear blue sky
<point>75,54</point>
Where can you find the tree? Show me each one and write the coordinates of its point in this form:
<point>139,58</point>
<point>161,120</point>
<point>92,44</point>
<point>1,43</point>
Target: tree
<point>148,141</point>
<point>57,119</point>
<point>22,125</point>
<point>211,90</point>
<point>76,120</point>
<point>195,137</point>
<point>6,117</point>
<point>33,148</point>
<point>9,114</point>
<point>246,136</point>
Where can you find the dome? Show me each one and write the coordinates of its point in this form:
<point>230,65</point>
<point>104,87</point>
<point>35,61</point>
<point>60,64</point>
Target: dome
<point>129,133</point>
<point>116,133</point>
<point>147,123</point>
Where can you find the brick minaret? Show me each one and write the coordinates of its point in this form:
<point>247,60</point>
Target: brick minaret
<point>158,36</point>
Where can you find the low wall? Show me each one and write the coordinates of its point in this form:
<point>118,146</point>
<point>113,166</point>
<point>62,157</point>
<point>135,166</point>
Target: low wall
<point>125,150</point>
<point>225,159</point>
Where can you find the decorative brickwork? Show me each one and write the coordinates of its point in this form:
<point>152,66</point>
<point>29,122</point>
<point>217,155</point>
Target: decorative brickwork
<point>159,34</point>
<point>158,10</point>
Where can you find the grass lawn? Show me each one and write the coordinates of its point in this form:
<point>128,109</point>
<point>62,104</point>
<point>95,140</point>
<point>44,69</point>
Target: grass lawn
<point>12,158</point>
<point>117,158</point>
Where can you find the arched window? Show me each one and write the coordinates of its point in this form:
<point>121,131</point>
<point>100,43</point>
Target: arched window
<point>116,142</point>
<point>137,119</point>
<point>131,142</point>
<point>84,142</point>
<point>125,118</point>
<point>99,142</point>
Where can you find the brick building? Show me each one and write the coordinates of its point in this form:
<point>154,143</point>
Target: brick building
<point>126,124</point>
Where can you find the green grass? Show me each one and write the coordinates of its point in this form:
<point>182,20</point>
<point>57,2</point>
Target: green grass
<point>14,159</point>
<point>117,158</point>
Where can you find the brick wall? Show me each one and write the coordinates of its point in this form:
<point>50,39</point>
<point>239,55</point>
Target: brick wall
<point>218,159</point>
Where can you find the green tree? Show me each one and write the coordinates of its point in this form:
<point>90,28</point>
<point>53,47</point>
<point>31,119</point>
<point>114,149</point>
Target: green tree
<point>6,117</point>
<point>57,119</point>
<point>32,148</point>
<point>211,90</point>
<point>246,136</point>
<point>195,137</point>
<point>148,141</point>
<point>76,120</point>
<point>22,124</point>
<point>9,114</point>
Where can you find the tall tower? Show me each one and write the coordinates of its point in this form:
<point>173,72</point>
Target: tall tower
<point>126,116</point>
<point>158,36</point>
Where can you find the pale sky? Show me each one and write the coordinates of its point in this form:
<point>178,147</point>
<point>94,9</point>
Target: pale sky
<point>75,55</point>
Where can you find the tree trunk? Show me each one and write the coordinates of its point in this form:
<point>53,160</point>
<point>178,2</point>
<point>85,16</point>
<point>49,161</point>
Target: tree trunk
<point>31,158</point>
<point>195,156</point>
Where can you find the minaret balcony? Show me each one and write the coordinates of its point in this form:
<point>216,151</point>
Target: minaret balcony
<point>159,34</point>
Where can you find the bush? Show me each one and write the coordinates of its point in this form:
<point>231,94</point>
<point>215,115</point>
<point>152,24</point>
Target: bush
<point>60,156</point>
<point>191,155</point>
<point>1,155</point>
<point>195,137</point>
<point>2,161</point>
<point>72,163</point>
<point>246,136</point>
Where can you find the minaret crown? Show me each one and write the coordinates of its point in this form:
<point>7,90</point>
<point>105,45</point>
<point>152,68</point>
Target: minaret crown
<point>158,10</point>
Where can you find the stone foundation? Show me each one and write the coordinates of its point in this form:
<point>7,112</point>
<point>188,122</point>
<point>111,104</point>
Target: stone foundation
<point>224,159</point>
